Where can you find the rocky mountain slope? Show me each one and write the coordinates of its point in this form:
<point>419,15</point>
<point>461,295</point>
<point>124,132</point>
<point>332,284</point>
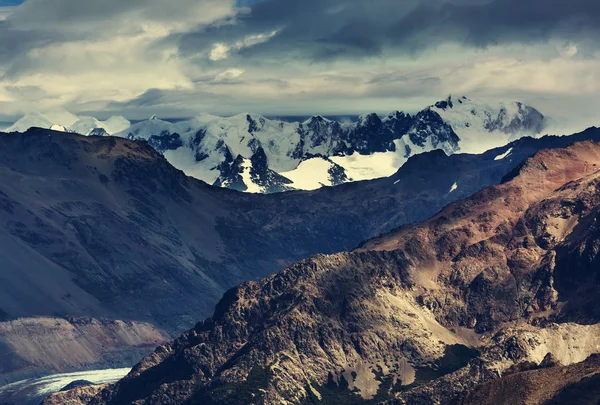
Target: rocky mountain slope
<point>32,347</point>
<point>93,226</point>
<point>552,384</point>
<point>252,153</point>
<point>488,286</point>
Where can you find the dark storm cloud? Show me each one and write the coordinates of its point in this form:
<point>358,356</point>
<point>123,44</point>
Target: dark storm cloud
<point>14,41</point>
<point>311,29</point>
<point>287,56</point>
<point>322,30</point>
<point>158,97</point>
<point>498,21</point>
<point>39,23</point>
<point>38,13</point>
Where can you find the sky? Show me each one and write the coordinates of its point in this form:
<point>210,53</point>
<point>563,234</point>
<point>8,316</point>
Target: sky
<point>295,57</point>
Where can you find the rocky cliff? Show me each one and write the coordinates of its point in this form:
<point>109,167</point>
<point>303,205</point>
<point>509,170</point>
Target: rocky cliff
<point>33,347</point>
<point>94,226</point>
<point>550,384</point>
<point>489,286</point>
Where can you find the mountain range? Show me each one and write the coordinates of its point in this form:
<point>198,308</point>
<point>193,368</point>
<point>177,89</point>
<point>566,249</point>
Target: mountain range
<point>252,153</point>
<point>106,227</point>
<point>492,300</point>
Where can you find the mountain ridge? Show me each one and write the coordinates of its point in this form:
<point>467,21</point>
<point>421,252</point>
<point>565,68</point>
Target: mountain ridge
<point>252,153</point>
<point>93,226</point>
<point>128,188</point>
<point>396,321</point>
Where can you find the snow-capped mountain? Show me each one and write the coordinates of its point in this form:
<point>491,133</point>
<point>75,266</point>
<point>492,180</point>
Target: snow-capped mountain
<point>92,126</point>
<point>248,152</point>
<point>252,153</point>
<point>56,120</point>
<point>482,127</point>
<point>66,122</point>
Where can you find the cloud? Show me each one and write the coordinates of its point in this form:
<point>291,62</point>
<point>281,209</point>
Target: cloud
<point>139,57</point>
<point>88,15</point>
<point>325,30</point>
<point>5,12</point>
<point>83,53</point>
<point>221,51</point>
<point>229,75</point>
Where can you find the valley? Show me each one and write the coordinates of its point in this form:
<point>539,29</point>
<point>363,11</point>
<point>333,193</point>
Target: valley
<point>422,314</point>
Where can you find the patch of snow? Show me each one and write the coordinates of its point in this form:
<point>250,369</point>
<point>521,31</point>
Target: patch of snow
<point>247,178</point>
<point>183,158</point>
<point>367,167</point>
<point>502,156</point>
<point>310,174</point>
<point>58,128</point>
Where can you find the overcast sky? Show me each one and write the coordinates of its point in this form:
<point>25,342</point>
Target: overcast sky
<point>295,57</point>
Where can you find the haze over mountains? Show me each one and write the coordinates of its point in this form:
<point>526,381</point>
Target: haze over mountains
<point>249,152</point>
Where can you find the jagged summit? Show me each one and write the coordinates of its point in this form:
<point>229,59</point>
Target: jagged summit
<point>374,146</point>
<point>444,104</point>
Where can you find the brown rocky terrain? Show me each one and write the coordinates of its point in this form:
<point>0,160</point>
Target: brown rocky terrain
<point>33,347</point>
<point>105,227</point>
<point>75,396</point>
<point>575,384</point>
<point>488,287</point>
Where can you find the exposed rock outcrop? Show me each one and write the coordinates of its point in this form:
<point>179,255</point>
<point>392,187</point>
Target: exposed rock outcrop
<point>416,316</point>
<point>32,347</point>
<point>93,226</point>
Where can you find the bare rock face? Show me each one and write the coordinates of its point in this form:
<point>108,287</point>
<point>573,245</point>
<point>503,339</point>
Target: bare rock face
<point>416,316</point>
<point>32,347</point>
<point>574,384</point>
<point>75,396</point>
<point>94,226</point>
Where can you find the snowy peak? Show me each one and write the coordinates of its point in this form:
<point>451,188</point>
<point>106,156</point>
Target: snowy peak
<point>92,126</point>
<point>481,126</point>
<point>317,120</point>
<point>368,120</point>
<point>249,152</point>
<point>509,118</point>
<point>396,116</point>
<point>445,104</point>
<point>252,175</point>
<point>64,121</point>
<point>30,120</point>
